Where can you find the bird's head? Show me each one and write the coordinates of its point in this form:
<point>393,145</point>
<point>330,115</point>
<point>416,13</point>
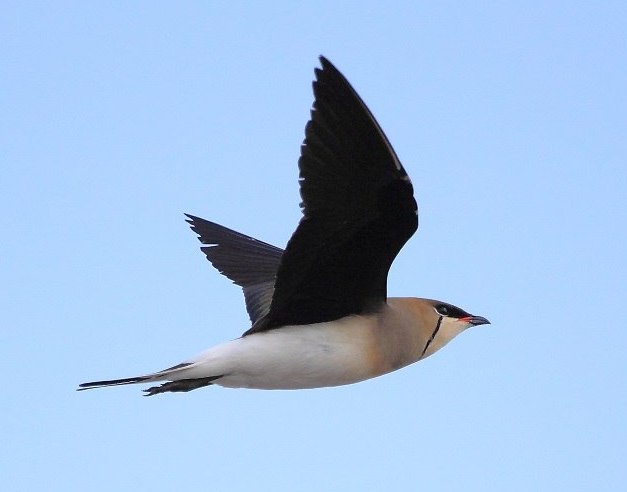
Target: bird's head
<point>446,322</point>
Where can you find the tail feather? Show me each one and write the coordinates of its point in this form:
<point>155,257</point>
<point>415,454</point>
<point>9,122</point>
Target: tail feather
<point>157,376</point>
<point>176,384</point>
<point>113,382</point>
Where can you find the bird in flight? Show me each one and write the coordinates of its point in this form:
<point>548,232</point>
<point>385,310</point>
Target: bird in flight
<point>319,310</point>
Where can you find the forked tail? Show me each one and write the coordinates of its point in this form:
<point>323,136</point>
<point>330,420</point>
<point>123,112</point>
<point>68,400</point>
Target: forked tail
<point>176,385</point>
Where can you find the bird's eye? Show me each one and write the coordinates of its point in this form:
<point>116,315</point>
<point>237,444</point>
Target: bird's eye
<point>450,311</point>
<point>442,309</point>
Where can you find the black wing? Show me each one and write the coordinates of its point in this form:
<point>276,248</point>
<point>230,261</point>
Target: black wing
<point>248,262</point>
<point>358,212</point>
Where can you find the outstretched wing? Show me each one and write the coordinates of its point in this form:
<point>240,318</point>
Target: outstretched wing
<point>358,211</point>
<point>246,261</point>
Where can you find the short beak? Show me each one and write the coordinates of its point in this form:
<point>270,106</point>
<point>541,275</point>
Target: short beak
<point>476,320</point>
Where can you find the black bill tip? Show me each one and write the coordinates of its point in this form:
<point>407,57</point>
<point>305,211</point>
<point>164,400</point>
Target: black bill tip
<point>478,320</point>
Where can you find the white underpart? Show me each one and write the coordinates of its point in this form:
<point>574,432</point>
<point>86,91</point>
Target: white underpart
<point>324,354</point>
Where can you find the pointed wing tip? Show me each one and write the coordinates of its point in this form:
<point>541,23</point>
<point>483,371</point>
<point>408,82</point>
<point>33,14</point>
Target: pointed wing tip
<point>326,66</point>
<point>326,70</point>
<point>193,221</point>
<point>324,61</point>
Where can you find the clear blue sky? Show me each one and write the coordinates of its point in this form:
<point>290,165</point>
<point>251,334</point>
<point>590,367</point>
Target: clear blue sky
<point>118,117</point>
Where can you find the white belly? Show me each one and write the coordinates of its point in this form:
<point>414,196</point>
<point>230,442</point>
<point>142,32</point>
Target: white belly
<point>325,354</point>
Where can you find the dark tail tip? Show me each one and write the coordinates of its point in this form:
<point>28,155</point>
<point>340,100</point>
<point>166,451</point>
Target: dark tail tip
<point>111,382</point>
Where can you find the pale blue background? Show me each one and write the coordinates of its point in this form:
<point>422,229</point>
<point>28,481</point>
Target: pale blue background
<point>117,117</point>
